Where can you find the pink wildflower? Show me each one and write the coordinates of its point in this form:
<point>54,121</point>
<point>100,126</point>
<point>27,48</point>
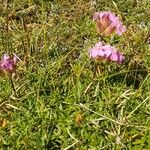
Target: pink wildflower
<point>107,23</point>
<point>106,52</point>
<point>8,64</point>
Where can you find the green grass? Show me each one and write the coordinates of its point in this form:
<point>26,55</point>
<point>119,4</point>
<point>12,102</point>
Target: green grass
<point>58,103</point>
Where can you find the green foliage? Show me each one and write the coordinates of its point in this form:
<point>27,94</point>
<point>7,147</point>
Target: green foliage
<point>63,99</point>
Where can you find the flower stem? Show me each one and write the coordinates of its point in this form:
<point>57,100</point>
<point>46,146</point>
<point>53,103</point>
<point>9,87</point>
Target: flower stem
<point>13,86</point>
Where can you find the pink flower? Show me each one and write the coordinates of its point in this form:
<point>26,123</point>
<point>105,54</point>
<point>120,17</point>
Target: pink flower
<point>8,64</point>
<point>107,23</point>
<point>107,52</point>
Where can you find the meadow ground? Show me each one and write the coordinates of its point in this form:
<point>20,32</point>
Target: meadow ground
<point>61,101</point>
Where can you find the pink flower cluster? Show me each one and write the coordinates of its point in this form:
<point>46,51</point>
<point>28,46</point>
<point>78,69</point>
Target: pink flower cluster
<point>107,52</point>
<point>8,64</point>
<point>107,23</point>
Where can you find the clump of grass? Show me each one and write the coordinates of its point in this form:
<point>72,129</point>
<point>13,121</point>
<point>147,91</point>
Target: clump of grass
<point>59,105</point>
